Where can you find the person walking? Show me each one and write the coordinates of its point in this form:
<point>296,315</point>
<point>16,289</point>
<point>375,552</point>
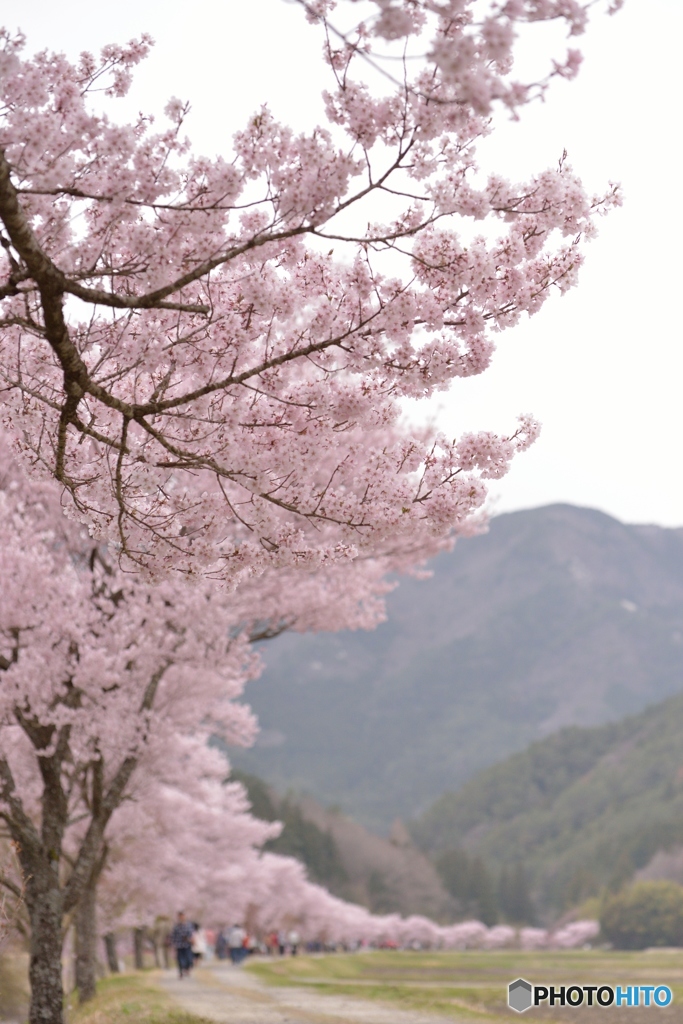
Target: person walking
<point>181,940</point>
<point>236,937</point>
<point>200,946</point>
<point>221,945</point>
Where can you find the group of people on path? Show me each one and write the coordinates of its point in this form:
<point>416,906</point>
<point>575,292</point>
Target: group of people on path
<point>234,943</point>
<point>190,943</point>
<point>237,944</point>
<point>283,942</point>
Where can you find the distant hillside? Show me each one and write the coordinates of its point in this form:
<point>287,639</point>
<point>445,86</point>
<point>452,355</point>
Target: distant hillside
<point>581,810</point>
<point>557,616</point>
<point>385,875</point>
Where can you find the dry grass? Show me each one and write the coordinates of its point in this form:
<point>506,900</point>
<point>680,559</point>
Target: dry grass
<point>451,983</point>
<point>13,986</point>
<point>130,999</point>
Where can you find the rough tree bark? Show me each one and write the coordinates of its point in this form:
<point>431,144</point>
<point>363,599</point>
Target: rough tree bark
<point>139,948</point>
<point>85,920</point>
<point>44,902</point>
<point>40,854</point>
<point>110,950</point>
<point>159,936</point>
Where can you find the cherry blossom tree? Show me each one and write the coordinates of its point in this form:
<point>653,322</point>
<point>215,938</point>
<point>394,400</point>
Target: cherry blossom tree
<point>183,838</point>
<point>211,355</point>
<point>11,895</point>
<point>274,893</point>
<point>107,680</point>
<point>96,670</point>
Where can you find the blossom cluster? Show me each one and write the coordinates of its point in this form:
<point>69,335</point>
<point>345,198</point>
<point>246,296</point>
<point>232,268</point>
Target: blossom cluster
<point>112,687</point>
<point>210,354</point>
<point>232,881</point>
<point>100,669</point>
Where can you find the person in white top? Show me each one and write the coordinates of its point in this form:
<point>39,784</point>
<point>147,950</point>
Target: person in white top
<point>199,943</point>
<point>236,937</point>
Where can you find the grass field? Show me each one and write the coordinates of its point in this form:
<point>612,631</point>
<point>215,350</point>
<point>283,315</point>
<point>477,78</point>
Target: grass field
<point>469,986</point>
<point>475,983</point>
<point>13,986</point>
<point>130,999</point>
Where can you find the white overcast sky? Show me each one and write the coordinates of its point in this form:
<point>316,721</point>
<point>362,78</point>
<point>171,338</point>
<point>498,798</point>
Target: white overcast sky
<point>602,367</point>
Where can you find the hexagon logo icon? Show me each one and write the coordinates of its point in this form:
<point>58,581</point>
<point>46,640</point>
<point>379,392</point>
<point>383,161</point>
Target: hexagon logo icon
<point>519,995</point>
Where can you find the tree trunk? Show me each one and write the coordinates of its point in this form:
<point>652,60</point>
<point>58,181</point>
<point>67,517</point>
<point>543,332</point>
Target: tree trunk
<point>139,947</point>
<point>85,919</point>
<point>110,948</point>
<point>160,936</point>
<point>45,966</point>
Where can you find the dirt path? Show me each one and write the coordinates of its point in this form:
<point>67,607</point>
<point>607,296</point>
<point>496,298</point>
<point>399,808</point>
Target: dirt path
<point>230,995</point>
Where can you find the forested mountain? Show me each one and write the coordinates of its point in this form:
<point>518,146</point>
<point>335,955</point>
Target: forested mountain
<point>582,810</point>
<point>384,875</point>
<point>389,875</point>
<point>556,616</point>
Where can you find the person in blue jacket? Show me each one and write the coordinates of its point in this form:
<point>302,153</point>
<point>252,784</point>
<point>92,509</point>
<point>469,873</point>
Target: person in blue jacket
<point>181,940</point>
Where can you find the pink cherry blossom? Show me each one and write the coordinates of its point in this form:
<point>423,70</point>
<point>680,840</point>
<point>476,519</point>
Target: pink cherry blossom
<point>575,935</point>
<point>210,354</point>
<point>533,938</point>
<point>111,689</point>
<point>204,364</point>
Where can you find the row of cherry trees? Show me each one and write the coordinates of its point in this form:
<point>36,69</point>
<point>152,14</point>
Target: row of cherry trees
<point>196,846</point>
<point>111,688</point>
<point>229,882</point>
<point>204,365</point>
